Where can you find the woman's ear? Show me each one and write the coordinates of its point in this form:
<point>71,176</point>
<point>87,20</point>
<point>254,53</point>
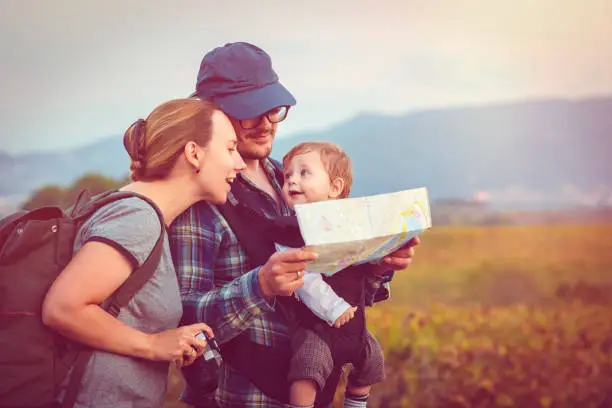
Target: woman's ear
<point>193,154</point>
<point>336,187</point>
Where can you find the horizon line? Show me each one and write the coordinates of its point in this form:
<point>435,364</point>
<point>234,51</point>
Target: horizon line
<point>410,112</point>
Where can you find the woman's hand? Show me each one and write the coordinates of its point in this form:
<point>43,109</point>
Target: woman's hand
<point>179,345</point>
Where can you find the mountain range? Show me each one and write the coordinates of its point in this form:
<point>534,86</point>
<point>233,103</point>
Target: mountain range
<point>525,154</point>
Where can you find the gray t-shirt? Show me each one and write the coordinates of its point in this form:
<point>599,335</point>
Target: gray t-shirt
<point>132,226</point>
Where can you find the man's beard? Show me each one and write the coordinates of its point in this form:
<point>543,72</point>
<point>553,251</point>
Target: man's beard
<point>249,150</point>
<point>252,154</point>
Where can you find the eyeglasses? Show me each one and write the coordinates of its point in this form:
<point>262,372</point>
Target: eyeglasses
<point>274,116</point>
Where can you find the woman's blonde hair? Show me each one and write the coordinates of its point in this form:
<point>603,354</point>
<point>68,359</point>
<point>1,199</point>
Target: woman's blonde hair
<point>155,143</point>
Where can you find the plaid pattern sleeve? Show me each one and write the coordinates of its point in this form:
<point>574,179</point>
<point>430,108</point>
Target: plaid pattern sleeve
<point>214,287</point>
<point>218,288</point>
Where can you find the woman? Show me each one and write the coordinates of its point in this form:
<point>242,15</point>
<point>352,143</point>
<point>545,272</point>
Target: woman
<point>184,152</point>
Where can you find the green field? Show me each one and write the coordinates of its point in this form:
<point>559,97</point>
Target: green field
<point>497,317</point>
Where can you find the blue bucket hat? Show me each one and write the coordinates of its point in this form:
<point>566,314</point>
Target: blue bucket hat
<point>239,78</point>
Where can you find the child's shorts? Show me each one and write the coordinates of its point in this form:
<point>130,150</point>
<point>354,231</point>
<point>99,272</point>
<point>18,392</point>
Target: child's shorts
<point>312,359</point>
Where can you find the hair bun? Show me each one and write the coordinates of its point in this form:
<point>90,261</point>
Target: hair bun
<point>137,165</point>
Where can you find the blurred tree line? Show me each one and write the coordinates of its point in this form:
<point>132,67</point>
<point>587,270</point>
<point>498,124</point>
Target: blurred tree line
<point>64,197</point>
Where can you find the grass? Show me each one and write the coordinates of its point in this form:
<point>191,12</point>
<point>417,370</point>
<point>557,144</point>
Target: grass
<point>498,316</point>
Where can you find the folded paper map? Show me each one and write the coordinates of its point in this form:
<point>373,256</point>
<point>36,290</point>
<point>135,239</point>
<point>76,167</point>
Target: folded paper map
<point>363,229</point>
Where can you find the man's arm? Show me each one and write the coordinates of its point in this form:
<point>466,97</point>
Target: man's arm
<point>197,241</point>
<point>321,299</point>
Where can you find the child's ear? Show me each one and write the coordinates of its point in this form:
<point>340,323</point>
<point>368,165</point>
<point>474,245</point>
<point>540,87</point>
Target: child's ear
<point>336,187</point>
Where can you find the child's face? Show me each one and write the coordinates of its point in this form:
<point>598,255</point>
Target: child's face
<point>306,180</point>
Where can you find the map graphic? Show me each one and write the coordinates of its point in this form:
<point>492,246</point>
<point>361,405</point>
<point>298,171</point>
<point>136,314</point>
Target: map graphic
<point>363,229</point>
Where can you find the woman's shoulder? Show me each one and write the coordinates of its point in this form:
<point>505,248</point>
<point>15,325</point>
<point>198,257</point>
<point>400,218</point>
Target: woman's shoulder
<point>130,224</point>
<point>132,212</point>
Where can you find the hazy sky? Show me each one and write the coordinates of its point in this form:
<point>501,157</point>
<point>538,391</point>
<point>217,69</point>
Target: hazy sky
<point>76,71</point>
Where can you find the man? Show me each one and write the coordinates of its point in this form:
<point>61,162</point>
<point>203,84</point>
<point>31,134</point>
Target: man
<point>217,284</point>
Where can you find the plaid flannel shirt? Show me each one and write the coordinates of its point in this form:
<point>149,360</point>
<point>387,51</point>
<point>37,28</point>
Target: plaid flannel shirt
<point>217,288</point>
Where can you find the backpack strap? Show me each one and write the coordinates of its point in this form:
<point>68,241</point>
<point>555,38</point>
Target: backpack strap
<point>242,220</point>
<point>122,296</point>
<point>82,199</point>
<point>241,353</point>
<point>141,275</point>
<point>278,171</point>
<point>249,225</point>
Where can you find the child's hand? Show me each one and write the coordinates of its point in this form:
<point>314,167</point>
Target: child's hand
<point>345,317</point>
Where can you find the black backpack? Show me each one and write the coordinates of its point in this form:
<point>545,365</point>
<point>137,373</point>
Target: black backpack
<point>35,246</point>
